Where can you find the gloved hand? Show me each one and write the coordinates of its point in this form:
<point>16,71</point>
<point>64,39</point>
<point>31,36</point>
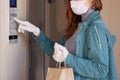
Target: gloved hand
<point>60,53</point>
<point>58,56</point>
<point>27,26</point>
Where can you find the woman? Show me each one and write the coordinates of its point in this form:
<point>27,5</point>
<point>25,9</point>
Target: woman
<point>87,46</point>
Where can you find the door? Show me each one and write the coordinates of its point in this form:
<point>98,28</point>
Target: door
<point>54,25</point>
<point>57,22</point>
<point>36,55</point>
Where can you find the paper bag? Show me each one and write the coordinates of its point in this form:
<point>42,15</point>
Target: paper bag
<point>61,73</point>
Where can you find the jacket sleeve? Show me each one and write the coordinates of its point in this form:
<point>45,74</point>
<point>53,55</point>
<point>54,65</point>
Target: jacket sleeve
<point>47,44</point>
<point>96,63</point>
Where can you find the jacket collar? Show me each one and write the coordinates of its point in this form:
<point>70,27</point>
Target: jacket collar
<point>94,16</point>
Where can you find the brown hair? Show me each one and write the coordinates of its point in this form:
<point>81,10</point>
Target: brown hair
<point>74,19</point>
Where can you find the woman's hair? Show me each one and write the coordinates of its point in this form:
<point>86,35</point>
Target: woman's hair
<point>74,19</point>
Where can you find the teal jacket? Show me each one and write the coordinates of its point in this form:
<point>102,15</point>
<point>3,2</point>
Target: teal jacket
<point>94,56</point>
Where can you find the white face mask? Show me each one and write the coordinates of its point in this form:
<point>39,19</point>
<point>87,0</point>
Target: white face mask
<point>79,7</point>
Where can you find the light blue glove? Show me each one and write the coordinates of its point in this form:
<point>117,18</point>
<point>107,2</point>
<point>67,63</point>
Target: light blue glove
<point>60,53</point>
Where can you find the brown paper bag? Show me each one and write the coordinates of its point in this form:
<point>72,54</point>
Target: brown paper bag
<point>61,73</point>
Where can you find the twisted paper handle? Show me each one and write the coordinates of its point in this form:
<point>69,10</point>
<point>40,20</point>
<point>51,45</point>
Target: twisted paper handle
<point>59,65</point>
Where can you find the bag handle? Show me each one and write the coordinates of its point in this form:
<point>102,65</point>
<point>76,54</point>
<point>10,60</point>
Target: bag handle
<point>59,64</point>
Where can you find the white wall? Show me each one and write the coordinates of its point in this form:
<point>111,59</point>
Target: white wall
<point>111,15</point>
<point>13,57</point>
